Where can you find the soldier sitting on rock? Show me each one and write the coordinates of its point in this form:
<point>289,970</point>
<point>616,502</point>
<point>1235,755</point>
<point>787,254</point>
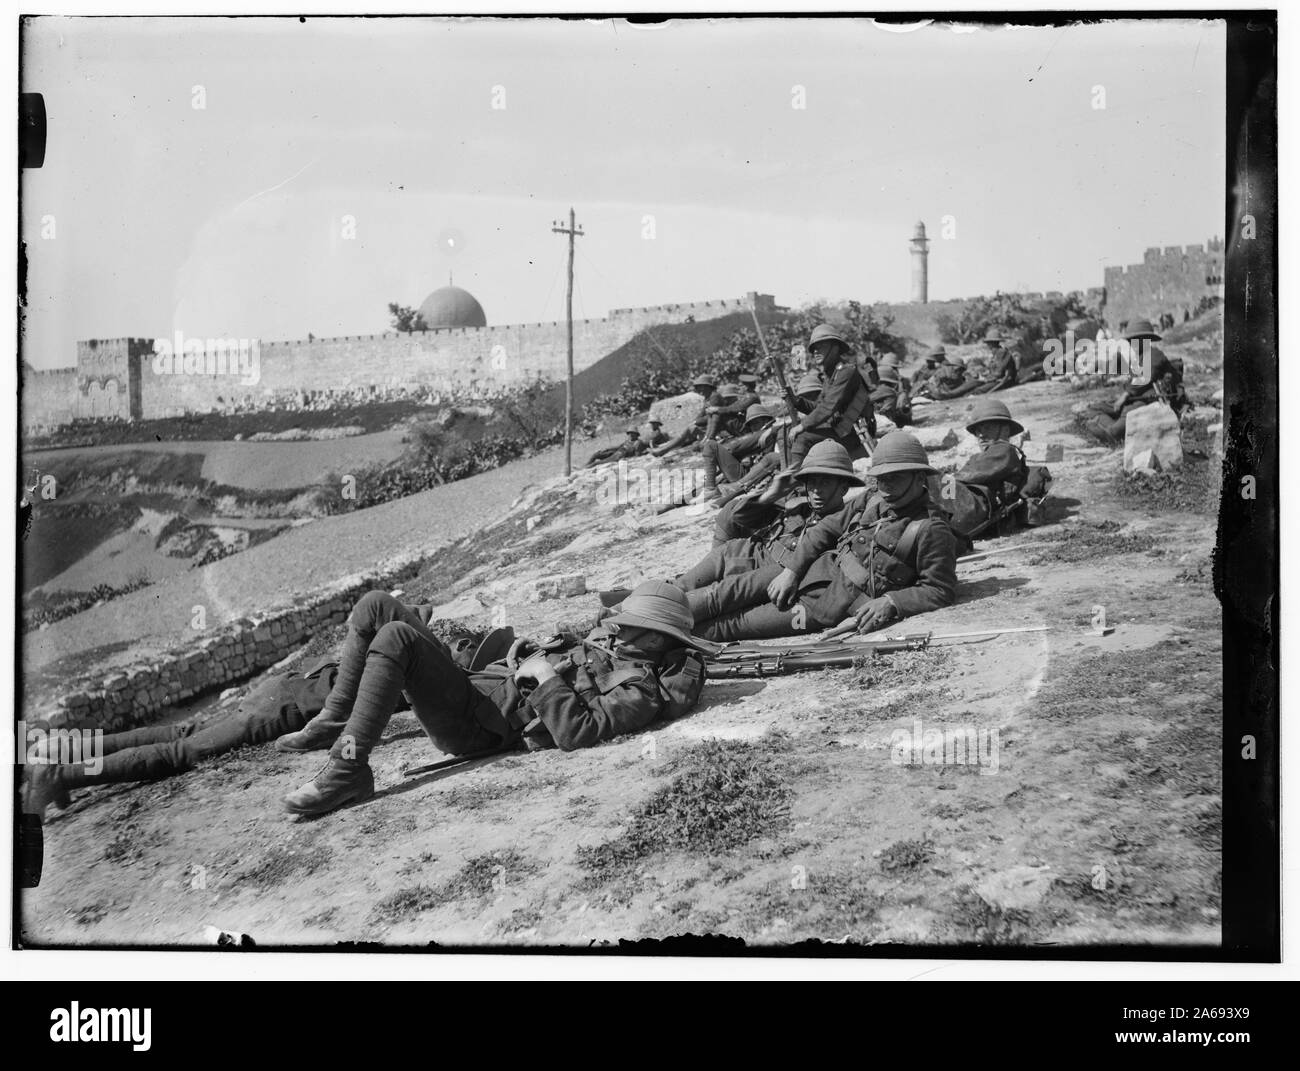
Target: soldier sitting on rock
<point>706,387</point>
<point>1166,384</point>
<point>657,434</point>
<point>641,666</point>
<point>632,446</point>
<point>881,558</point>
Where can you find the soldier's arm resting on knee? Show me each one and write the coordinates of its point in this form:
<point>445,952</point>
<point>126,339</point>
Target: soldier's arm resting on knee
<point>835,398</point>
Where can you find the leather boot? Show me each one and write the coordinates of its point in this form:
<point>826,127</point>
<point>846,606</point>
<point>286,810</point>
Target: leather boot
<point>309,738</point>
<point>340,781</point>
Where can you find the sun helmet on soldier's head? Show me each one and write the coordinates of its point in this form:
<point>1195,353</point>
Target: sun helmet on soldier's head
<point>828,458</point>
<point>757,412</point>
<point>889,374</point>
<point>661,606</point>
<point>992,409</point>
<point>1141,329</point>
<point>994,334</point>
<point>747,379</point>
<point>827,333</point>
<point>937,354</point>
<point>704,380</point>
<point>899,452</point>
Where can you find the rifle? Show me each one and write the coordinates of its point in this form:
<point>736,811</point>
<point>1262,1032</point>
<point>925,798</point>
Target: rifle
<point>457,760</point>
<point>756,660</point>
<point>777,369</point>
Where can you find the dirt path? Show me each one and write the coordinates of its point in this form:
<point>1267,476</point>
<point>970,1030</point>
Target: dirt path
<point>1087,812</point>
<point>302,560</point>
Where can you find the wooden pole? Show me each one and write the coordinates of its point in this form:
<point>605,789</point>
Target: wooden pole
<point>573,232</point>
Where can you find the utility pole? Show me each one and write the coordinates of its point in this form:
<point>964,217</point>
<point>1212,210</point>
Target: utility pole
<point>573,232</point>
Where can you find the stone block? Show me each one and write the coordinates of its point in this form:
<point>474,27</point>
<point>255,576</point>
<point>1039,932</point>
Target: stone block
<point>936,438</point>
<point>1152,429</point>
<point>561,587</point>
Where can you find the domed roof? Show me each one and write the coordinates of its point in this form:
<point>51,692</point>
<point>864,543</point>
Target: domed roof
<point>450,306</point>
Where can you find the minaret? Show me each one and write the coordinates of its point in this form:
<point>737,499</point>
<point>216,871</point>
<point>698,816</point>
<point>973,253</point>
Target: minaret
<point>920,246</point>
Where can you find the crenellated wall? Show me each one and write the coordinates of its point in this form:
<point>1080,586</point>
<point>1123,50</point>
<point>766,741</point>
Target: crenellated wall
<point>123,378</point>
<point>1169,280</point>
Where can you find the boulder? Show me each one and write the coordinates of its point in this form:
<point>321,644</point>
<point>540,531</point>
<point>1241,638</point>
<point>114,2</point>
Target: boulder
<point>677,412</point>
<point>1152,429</point>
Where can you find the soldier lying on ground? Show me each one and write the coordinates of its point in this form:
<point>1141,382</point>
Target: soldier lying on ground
<point>657,434</point>
<point>845,398</point>
<point>705,386</point>
<point>732,459</point>
<point>642,665</point>
<point>923,378</point>
<point>632,446</point>
<point>996,484</point>
<point>283,703</point>
<point>1109,423</point>
<point>951,381</point>
<point>882,558</point>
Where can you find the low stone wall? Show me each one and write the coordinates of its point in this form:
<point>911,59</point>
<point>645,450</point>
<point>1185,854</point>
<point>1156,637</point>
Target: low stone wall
<point>135,696</point>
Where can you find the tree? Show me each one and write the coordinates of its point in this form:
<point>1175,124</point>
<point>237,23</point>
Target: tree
<point>405,318</point>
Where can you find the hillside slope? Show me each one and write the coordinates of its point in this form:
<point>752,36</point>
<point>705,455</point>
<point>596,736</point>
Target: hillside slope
<point>779,811</point>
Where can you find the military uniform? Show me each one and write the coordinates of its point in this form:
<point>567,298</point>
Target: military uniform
<point>845,399</point>
<point>870,549</point>
<point>1166,384</point>
<point>632,446</point>
<point>601,688</point>
<point>951,382</point>
<point>694,432</point>
<point>730,459</point>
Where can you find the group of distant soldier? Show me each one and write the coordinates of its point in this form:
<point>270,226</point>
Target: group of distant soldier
<point>800,544</point>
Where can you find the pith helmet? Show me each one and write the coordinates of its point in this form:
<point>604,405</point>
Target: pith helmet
<point>660,606</point>
<point>757,412</point>
<point>655,422</point>
<point>899,452</point>
<point>994,334</point>
<point>810,383</point>
<point>890,360</point>
<point>826,333</point>
<point>748,379</point>
<point>704,380</point>
<point>889,374</point>
<point>829,458</point>
<point>494,646</point>
<point>988,409</point>
<point>1141,329</point>
<point>938,353</point>
<point>953,361</point>
<point>634,432</point>
<point>730,390</point>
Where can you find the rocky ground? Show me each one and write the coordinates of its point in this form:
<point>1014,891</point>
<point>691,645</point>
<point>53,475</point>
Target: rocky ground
<point>782,810</point>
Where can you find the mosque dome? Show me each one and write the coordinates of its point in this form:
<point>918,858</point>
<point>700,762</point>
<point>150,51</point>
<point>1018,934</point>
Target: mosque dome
<point>450,306</point>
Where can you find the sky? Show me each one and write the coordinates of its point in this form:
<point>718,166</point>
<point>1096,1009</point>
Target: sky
<point>338,165</point>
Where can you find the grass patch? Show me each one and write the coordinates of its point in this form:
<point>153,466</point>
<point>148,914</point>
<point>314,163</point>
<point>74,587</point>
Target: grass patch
<point>479,878</point>
<point>279,865</point>
<point>1087,541</point>
<point>726,793</point>
<point>906,854</point>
